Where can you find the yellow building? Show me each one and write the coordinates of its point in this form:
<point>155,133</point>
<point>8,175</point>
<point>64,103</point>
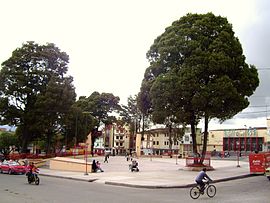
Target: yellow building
<point>157,142</point>
<point>242,139</point>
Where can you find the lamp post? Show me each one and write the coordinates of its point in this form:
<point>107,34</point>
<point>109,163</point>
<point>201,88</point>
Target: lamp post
<point>86,145</point>
<point>176,157</point>
<point>85,151</point>
<point>76,134</point>
<point>238,153</point>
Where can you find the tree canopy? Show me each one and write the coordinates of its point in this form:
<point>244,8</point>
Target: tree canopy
<point>35,91</point>
<point>198,70</point>
<point>8,141</point>
<point>101,107</point>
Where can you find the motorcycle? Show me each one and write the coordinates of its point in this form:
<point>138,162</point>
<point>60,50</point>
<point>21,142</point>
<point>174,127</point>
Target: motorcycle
<point>33,177</point>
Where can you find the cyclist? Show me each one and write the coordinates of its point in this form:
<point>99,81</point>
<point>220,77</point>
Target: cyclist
<point>202,176</point>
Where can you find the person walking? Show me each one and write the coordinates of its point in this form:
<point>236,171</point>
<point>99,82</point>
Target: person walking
<point>106,158</point>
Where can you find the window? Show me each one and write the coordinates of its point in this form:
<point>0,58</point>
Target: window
<point>157,142</point>
<point>154,143</point>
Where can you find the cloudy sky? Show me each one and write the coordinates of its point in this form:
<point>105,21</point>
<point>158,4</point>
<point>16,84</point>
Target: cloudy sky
<point>107,40</point>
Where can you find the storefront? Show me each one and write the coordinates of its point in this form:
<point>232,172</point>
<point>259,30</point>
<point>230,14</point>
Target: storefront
<point>242,140</point>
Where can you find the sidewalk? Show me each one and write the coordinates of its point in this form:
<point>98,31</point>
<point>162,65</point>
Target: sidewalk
<point>154,173</point>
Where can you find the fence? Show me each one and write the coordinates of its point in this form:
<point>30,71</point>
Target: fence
<point>195,161</point>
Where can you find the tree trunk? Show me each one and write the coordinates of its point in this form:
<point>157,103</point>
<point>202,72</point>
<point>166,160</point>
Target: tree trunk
<point>205,135</point>
<point>25,139</point>
<point>193,135</point>
<point>48,144</point>
<point>170,139</point>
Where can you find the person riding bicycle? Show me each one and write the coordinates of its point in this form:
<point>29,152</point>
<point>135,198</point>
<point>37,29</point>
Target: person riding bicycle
<point>202,176</point>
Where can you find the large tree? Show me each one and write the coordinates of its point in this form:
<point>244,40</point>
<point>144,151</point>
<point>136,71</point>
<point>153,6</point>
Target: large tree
<point>102,107</point>
<point>201,54</point>
<point>132,116</point>
<point>35,90</point>
<point>8,141</point>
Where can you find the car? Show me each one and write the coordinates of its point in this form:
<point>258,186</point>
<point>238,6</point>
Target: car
<point>267,173</point>
<point>12,167</point>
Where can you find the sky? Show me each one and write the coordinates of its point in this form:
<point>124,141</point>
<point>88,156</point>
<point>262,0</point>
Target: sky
<point>107,40</point>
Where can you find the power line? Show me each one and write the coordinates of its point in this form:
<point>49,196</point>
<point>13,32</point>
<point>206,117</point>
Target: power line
<point>258,106</point>
<point>253,112</point>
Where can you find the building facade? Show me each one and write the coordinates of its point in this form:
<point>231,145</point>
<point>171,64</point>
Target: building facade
<point>242,139</point>
<point>158,142</point>
<point>115,138</point>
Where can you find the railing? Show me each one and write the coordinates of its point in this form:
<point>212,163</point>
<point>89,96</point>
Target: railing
<point>17,156</point>
<point>195,161</point>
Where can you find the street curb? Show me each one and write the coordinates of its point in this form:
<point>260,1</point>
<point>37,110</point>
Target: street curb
<point>152,186</point>
<point>175,186</point>
<point>70,178</point>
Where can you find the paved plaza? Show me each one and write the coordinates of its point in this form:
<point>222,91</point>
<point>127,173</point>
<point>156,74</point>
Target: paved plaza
<point>154,172</point>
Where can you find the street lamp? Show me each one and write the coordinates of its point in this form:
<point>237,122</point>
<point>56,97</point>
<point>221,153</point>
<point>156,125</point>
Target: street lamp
<point>176,156</point>
<point>238,153</point>
<point>86,146</point>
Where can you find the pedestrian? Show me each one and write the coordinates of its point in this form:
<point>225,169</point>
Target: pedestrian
<point>99,169</point>
<point>127,157</point>
<point>106,158</point>
<point>94,166</point>
<point>202,176</point>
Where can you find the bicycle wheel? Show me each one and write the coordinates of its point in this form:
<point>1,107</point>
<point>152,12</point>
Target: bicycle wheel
<point>211,191</point>
<point>195,192</point>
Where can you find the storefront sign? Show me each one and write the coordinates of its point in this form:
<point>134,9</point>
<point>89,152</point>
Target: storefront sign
<point>251,132</point>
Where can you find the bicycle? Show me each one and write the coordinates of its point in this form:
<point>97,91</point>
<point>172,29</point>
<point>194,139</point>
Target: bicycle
<point>210,189</point>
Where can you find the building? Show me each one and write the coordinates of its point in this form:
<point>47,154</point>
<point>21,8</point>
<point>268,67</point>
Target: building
<point>242,139</point>
<point>158,142</point>
<point>120,140</point>
<point>115,138</point>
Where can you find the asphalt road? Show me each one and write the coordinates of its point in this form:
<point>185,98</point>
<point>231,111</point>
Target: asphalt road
<point>14,188</point>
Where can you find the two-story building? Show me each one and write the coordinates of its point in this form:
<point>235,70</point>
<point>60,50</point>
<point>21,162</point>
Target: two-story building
<point>244,140</point>
<point>160,142</point>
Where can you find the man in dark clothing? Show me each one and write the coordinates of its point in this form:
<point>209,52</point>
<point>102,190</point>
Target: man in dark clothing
<point>202,176</point>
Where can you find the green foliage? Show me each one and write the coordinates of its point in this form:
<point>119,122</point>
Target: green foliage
<point>198,70</point>
<point>8,140</point>
<point>130,114</point>
<point>101,108</point>
<point>35,93</point>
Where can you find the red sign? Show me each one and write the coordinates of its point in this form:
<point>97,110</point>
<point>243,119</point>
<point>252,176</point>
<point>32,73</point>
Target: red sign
<point>259,162</point>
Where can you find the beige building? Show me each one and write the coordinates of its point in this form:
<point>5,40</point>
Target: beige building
<point>157,142</point>
<point>242,139</point>
<point>114,138</point>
